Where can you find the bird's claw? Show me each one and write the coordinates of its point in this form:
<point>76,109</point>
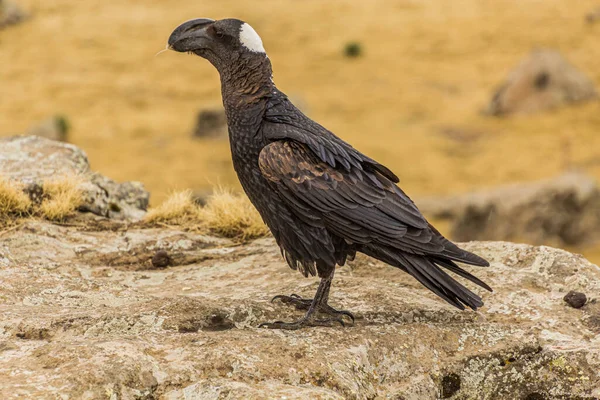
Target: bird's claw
<point>294,299</point>
<point>345,313</point>
<point>286,299</point>
<point>323,308</point>
<point>270,325</point>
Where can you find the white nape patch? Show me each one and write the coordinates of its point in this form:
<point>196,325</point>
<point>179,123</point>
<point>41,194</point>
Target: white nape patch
<point>250,39</point>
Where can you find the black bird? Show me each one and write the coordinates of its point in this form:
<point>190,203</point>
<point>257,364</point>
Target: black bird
<point>322,199</point>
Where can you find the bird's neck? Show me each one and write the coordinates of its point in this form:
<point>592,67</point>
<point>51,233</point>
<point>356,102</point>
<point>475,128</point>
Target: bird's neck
<point>247,82</point>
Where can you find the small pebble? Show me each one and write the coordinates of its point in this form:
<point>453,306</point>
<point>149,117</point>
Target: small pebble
<point>575,299</point>
<point>161,259</point>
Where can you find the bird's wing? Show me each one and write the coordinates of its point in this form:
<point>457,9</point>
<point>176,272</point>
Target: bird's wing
<point>290,123</point>
<point>358,205</point>
<point>326,180</point>
<point>369,213</point>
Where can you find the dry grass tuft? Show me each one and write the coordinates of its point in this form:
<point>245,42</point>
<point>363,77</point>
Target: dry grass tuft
<point>62,197</point>
<point>178,209</point>
<point>225,214</point>
<point>13,202</point>
<point>232,215</point>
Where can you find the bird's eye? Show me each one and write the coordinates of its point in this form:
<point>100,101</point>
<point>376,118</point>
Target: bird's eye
<point>215,32</point>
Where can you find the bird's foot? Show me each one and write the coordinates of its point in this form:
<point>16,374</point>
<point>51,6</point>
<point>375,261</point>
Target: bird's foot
<point>303,322</point>
<point>295,300</point>
<point>323,308</point>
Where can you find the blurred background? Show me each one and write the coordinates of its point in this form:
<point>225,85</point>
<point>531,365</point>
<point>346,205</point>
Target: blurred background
<point>455,97</point>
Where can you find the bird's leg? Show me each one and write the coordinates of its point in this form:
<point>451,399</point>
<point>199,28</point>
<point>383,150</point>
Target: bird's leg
<point>309,318</point>
<point>316,305</point>
<point>303,304</point>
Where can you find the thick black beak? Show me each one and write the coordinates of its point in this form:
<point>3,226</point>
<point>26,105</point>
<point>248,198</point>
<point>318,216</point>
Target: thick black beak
<point>190,35</point>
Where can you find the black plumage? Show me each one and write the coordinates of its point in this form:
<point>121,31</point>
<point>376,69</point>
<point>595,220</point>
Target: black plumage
<point>323,200</point>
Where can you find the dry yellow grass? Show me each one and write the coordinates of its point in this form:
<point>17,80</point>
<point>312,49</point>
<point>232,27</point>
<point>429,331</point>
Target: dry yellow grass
<point>178,209</point>
<point>428,65</point>
<point>13,202</point>
<point>232,215</point>
<point>226,214</point>
<point>62,197</point>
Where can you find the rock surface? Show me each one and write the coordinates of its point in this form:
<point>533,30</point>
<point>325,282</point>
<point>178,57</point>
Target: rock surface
<point>543,80</point>
<point>10,13</point>
<point>564,211</point>
<point>33,160</point>
<point>85,315</point>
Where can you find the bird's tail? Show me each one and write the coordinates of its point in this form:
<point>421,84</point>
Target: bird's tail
<point>426,269</point>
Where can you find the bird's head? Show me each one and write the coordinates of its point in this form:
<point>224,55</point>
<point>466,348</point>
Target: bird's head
<point>221,42</point>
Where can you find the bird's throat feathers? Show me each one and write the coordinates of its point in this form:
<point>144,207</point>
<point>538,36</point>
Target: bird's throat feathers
<point>250,77</point>
<point>251,72</point>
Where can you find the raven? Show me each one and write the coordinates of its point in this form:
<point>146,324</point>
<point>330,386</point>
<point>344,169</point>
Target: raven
<point>323,200</point>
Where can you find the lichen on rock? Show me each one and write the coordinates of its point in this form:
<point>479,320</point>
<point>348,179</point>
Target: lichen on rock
<point>85,314</point>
